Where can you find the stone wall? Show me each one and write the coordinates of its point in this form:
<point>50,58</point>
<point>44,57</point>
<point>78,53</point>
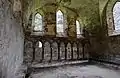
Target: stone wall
<point>107,50</point>
<point>33,53</point>
<point>11,40</point>
<point>114,47</point>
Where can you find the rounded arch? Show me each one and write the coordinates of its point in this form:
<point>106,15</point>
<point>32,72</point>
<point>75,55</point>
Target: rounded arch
<point>62,50</point>
<point>75,50</point>
<point>40,44</point>
<point>54,50</point>
<point>109,17</point>
<point>69,51</point>
<point>116,15</point>
<point>38,51</point>
<point>80,50</point>
<point>47,54</point>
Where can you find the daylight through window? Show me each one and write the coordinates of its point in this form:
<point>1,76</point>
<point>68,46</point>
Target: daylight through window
<point>38,22</point>
<point>116,15</point>
<point>59,20</point>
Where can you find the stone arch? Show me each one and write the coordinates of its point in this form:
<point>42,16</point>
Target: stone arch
<point>54,51</point>
<point>86,50</point>
<point>65,26</point>
<point>28,51</point>
<point>62,50</point>
<point>78,28</point>
<point>80,50</point>
<point>38,22</point>
<point>116,15</point>
<point>41,12</point>
<point>69,51</point>
<point>74,51</point>
<point>47,51</point>
<point>59,23</point>
<point>109,17</point>
<point>38,51</point>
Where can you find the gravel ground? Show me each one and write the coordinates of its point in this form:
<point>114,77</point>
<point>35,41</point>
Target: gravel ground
<point>88,71</point>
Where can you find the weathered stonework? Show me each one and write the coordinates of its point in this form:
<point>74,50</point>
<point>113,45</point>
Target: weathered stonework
<point>11,41</point>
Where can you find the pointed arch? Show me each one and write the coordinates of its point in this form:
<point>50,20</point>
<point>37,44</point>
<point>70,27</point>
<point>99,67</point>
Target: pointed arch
<point>116,15</point>
<point>59,21</point>
<point>38,22</point>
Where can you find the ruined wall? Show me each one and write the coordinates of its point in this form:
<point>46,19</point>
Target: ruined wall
<point>11,38</point>
<point>114,46</point>
<point>61,50</point>
<point>107,46</point>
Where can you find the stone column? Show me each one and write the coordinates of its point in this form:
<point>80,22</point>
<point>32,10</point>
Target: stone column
<point>78,50</point>
<point>58,50</point>
<point>65,51</point>
<point>43,50</point>
<point>71,51</point>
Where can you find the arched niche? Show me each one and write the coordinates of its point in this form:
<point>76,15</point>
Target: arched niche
<point>47,51</point>
<point>54,51</point>
<point>86,50</point>
<point>68,51</point>
<point>80,50</point>
<point>74,51</point>
<point>38,51</point>
<point>62,50</point>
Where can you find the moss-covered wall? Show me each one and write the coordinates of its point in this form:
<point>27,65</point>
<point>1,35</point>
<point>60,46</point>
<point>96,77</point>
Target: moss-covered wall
<point>86,11</point>
<point>94,15</point>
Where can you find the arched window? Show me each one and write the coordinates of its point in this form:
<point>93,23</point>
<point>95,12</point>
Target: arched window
<point>59,22</point>
<point>38,23</point>
<point>78,27</point>
<point>116,15</point>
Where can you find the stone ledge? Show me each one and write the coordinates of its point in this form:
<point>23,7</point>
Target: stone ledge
<point>41,65</point>
<point>115,33</point>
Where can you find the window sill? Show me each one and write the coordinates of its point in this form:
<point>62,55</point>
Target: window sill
<point>37,33</point>
<point>115,33</point>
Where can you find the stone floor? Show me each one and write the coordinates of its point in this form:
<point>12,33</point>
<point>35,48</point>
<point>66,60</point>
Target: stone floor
<point>73,71</point>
